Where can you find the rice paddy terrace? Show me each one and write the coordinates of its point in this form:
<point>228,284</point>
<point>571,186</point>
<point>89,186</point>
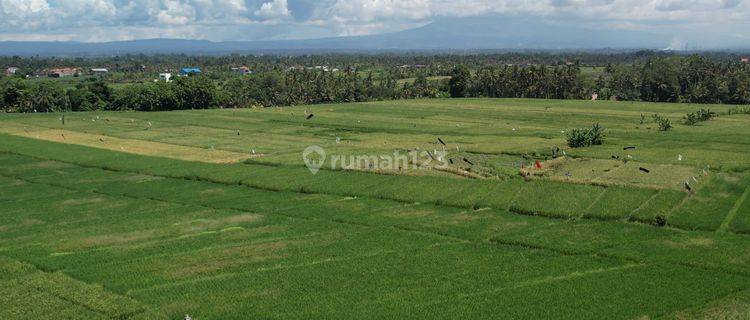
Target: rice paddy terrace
<point>214,213</point>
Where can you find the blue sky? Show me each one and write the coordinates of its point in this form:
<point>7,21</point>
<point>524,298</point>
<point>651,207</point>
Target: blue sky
<point>709,22</point>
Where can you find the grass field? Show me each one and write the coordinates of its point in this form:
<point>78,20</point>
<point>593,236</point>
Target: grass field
<point>214,214</point>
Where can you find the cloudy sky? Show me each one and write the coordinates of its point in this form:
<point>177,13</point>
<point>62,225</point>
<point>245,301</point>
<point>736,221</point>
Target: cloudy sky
<point>218,20</point>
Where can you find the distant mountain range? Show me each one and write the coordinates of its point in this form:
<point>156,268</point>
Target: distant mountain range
<point>444,34</point>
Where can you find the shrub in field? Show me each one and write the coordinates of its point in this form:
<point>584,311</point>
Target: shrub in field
<point>691,119</point>
<point>699,116</point>
<point>596,135</point>
<point>739,110</point>
<point>663,122</point>
<point>660,221</point>
<point>577,138</point>
<point>580,137</point>
<point>706,114</point>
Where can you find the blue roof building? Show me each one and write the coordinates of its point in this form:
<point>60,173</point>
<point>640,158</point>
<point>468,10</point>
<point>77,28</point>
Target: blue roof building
<point>190,71</point>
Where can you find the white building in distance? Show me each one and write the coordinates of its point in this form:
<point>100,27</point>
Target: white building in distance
<point>99,71</point>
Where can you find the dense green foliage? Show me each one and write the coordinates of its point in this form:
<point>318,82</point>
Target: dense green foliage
<point>561,82</point>
<point>280,81</point>
<point>136,68</point>
<point>295,87</point>
<point>739,110</point>
<point>581,137</point>
<point>460,81</point>
<point>701,115</point>
<point>693,79</point>
<point>663,123</point>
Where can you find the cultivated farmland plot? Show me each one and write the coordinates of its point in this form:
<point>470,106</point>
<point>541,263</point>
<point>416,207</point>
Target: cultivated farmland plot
<point>214,214</point>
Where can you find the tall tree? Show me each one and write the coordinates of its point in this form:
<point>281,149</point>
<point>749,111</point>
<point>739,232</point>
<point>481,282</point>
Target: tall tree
<point>460,81</point>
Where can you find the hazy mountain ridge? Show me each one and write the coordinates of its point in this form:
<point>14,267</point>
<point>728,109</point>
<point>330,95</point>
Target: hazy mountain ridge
<point>444,34</point>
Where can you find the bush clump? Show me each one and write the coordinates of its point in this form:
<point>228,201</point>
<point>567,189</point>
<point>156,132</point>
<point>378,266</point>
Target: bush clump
<point>701,115</point>
<point>663,122</point>
<point>581,137</point>
<point>660,221</point>
<point>739,110</point>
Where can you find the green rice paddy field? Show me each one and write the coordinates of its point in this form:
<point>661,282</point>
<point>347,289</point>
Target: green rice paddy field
<point>213,214</point>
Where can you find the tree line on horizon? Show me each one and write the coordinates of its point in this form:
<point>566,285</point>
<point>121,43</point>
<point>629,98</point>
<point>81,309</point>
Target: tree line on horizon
<point>693,79</point>
<point>135,63</point>
<point>269,89</point>
<point>142,67</point>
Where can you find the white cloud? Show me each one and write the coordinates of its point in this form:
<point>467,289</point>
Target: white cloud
<point>276,9</point>
<point>21,14</point>
<point>371,16</point>
<point>113,18</point>
<point>23,7</point>
<point>221,11</point>
<point>359,17</point>
<point>370,10</point>
<point>175,13</point>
